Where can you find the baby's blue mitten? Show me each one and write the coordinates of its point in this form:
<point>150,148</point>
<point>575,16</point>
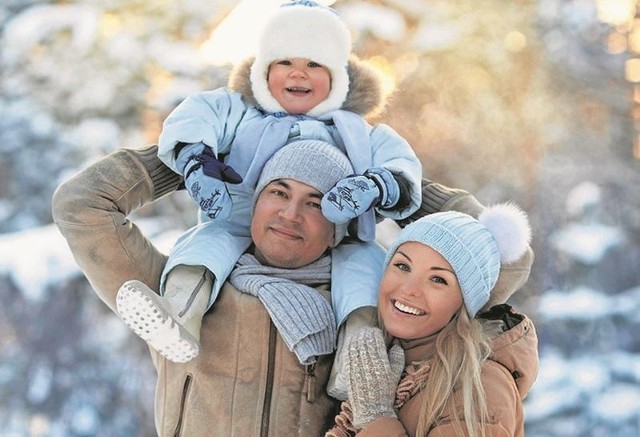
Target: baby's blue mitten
<point>354,195</point>
<point>205,177</point>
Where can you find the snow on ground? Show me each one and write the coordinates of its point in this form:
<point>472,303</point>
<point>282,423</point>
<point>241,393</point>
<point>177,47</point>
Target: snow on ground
<point>36,258</point>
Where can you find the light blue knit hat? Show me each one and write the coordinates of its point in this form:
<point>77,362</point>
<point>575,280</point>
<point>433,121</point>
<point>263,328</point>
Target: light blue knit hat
<point>474,248</point>
<point>315,163</point>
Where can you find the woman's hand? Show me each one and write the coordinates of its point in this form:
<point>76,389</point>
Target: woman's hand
<point>373,376</point>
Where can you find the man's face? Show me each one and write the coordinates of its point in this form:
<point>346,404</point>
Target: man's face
<point>288,228</point>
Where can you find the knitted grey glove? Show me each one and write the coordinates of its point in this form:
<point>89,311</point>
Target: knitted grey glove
<point>373,376</point>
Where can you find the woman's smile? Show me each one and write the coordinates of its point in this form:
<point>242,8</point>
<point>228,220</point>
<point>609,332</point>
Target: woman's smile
<point>406,309</point>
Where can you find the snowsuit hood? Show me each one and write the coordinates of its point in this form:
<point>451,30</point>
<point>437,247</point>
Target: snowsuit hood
<point>367,94</point>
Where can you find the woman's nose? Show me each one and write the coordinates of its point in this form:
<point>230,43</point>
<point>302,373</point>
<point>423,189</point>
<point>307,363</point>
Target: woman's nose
<point>412,287</point>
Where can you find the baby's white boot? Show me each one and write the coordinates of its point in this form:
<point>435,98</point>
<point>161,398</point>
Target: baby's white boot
<point>171,323</point>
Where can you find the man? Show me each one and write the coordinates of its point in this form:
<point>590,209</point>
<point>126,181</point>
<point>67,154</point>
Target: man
<point>246,380</point>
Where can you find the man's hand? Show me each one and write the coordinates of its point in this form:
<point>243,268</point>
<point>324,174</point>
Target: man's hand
<point>373,376</point>
<point>205,179</point>
<point>354,195</point>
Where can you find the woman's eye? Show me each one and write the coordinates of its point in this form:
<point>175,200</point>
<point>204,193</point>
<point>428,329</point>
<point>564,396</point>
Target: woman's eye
<point>315,205</point>
<point>439,280</point>
<point>402,266</point>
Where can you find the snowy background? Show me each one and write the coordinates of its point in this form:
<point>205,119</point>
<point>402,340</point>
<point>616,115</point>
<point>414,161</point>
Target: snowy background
<point>533,101</point>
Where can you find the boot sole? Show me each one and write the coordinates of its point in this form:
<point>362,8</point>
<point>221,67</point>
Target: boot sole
<point>143,312</point>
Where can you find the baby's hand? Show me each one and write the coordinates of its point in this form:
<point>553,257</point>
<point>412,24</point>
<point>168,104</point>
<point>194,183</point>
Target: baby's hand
<point>354,195</point>
<point>205,179</point>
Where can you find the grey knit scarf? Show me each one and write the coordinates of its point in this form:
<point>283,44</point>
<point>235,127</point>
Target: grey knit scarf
<point>301,314</point>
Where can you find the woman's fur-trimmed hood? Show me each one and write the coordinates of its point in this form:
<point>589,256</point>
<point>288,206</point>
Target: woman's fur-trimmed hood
<point>367,95</point>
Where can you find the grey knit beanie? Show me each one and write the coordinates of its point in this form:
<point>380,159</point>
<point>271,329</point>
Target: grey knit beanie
<point>312,162</point>
<point>474,248</point>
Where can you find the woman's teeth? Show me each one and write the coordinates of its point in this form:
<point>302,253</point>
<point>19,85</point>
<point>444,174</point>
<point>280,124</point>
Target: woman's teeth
<point>407,309</point>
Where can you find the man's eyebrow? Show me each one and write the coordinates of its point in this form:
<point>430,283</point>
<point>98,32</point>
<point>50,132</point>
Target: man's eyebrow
<point>281,182</point>
<point>315,194</point>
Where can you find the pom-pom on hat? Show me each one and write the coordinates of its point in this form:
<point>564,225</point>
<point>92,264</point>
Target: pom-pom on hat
<point>303,29</point>
<point>474,248</point>
<point>315,163</point>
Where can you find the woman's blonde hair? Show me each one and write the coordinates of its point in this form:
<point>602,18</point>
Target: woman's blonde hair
<point>461,348</point>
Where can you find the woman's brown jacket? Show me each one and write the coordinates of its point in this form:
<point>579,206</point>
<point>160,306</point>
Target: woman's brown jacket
<point>507,377</point>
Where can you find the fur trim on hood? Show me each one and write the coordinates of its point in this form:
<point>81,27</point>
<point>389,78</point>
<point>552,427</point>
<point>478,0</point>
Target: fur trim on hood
<point>367,95</point>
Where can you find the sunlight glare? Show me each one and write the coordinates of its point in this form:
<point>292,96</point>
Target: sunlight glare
<point>515,41</point>
<point>615,12</point>
<point>110,24</point>
<point>405,65</point>
<point>236,38</point>
<point>616,43</point>
<point>634,37</point>
<point>632,70</point>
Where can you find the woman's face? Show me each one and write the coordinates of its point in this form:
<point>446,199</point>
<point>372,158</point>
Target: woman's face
<point>419,292</point>
<point>298,84</point>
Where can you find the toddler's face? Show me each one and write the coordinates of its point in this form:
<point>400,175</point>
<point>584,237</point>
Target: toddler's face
<point>298,84</point>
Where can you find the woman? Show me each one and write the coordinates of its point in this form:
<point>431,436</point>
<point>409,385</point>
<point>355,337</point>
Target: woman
<point>459,375</point>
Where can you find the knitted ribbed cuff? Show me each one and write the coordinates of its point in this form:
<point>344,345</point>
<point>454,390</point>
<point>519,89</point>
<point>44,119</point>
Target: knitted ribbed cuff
<point>163,178</point>
<point>435,196</point>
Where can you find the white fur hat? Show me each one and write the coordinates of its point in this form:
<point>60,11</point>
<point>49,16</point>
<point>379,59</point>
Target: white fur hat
<point>303,29</point>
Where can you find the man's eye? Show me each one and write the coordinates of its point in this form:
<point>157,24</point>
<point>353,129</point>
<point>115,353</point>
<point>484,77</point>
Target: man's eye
<point>315,205</point>
<point>279,193</point>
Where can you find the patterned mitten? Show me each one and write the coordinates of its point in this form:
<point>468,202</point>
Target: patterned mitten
<point>373,377</point>
<point>354,195</point>
<point>205,178</point>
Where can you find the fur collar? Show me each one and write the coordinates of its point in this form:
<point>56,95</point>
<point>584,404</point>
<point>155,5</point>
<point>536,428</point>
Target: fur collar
<point>366,96</point>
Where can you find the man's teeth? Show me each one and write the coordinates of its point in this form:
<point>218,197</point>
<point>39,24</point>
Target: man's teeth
<point>407,309</point>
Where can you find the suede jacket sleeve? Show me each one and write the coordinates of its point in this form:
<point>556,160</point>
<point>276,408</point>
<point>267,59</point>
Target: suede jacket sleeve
<point>91,211</point>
